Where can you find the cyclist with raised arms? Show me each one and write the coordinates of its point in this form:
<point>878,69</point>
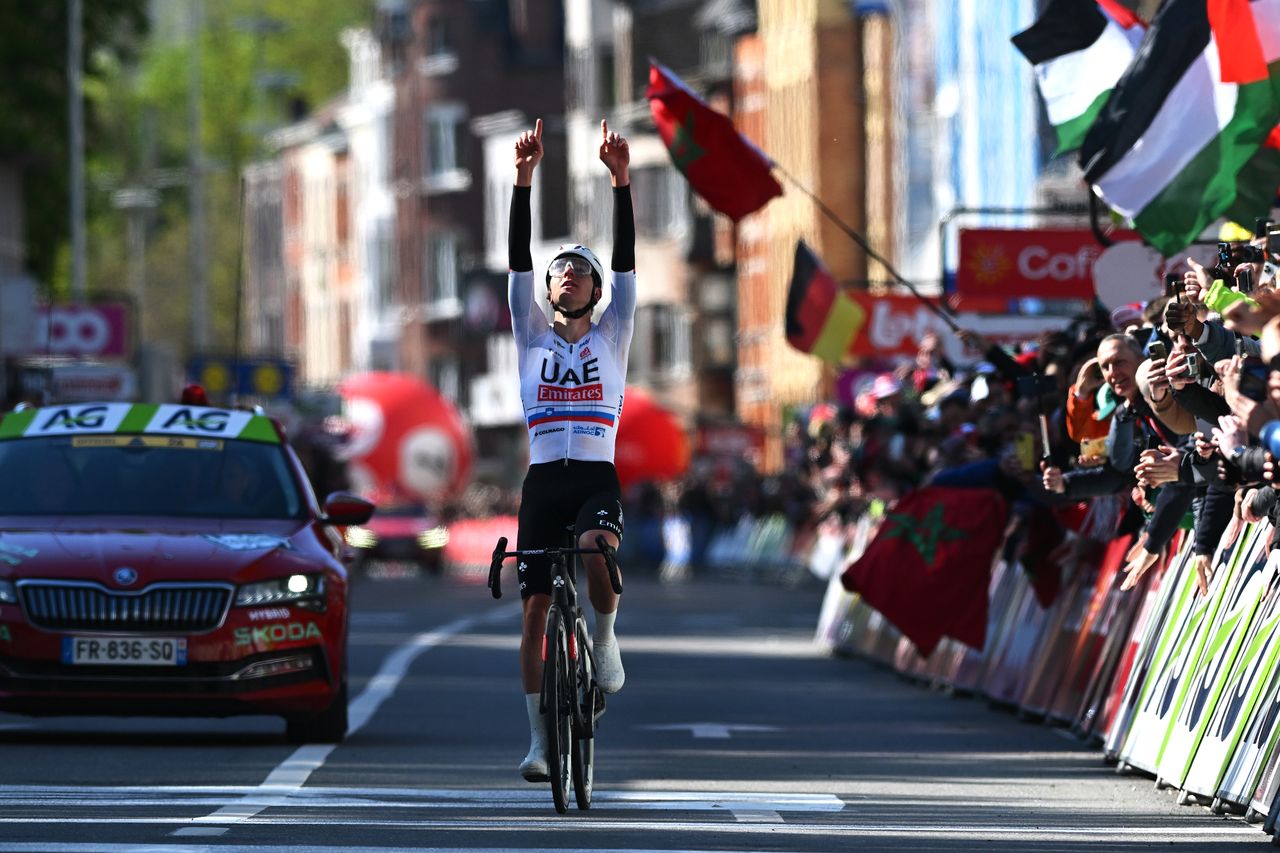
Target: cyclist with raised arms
<point>572,380</point>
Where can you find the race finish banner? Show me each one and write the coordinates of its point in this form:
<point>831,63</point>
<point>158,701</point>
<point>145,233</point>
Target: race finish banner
<point>1221,643</point>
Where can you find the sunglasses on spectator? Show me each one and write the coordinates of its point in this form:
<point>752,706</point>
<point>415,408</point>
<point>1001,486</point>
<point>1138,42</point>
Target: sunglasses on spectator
<point>578,265</point>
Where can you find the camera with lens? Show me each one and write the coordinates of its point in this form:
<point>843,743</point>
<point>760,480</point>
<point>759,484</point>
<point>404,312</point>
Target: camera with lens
<point>1192,362</point>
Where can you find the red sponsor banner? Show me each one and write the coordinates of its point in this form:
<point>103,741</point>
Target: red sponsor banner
<point>556,394</point>
<point>1020,263</point>
<point>892,325</point>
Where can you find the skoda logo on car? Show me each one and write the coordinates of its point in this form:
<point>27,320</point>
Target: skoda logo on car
<point>125,575</point>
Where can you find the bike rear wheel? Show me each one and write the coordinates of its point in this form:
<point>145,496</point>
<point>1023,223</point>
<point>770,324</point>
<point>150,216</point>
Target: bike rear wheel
<point>557,697</point>
<point>584,743</point>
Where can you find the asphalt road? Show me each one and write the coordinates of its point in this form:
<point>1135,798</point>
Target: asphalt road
<point>733,733</point>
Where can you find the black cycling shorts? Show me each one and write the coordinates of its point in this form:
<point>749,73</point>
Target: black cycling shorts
<point>555,495</point>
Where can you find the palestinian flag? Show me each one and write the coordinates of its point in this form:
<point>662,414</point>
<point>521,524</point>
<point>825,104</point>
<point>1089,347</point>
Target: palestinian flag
<point>1079,49</point>
<point>723,166</point>
<point>1183,139</point>
<point>821,320</point>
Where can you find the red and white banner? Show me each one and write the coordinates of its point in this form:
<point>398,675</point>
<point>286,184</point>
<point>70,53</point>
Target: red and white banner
<point>1023,263</point>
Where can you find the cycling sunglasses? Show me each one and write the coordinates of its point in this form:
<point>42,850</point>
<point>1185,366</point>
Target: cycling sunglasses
<point>578,265</point>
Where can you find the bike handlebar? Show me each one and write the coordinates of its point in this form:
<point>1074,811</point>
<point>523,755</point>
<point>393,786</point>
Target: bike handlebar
<point>501,553</point>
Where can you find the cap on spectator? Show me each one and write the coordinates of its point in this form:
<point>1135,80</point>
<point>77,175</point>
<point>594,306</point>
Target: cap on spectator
<point>1106,402</point>
<point>885,386</point>
<point>1234,232</point>
<point>1126,315</point>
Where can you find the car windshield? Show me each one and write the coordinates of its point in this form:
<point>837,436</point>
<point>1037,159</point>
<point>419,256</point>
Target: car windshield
<point>146,475</point>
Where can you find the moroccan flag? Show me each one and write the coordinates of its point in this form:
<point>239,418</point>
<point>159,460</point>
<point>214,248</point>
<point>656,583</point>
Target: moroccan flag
<point>1183,139</point>
<point>1079,49</point>
<point>821,320</point>
<point>722,165</point>
<point>929,567</point>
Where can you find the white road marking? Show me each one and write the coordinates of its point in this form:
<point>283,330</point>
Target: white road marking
<point>294,771</point>
<point>754,816</point>
<point>206,831</point>
<point>1220,831</point>
<point>186,796</point>
<point>715,731</point>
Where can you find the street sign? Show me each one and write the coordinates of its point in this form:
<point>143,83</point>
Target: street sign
<point>270,378</point>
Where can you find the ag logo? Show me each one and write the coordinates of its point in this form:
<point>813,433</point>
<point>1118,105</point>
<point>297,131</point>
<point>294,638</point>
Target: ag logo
<point>89,417</point>
<point>125,575</point>
<point>206,422</point>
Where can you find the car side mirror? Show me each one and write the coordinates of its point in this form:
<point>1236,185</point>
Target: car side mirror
<point>346,508</point>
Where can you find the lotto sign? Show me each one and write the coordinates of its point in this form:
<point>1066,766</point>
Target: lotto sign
<point>1019,263</point>
<point>99,331</point>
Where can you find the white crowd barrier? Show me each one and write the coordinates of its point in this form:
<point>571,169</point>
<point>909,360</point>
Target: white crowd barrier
<point>1179,685</point>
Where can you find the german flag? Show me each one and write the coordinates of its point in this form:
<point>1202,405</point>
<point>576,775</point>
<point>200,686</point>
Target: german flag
<point>821,320</point>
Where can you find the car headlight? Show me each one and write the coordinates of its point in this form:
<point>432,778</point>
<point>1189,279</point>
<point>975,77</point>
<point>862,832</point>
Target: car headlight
<point>361,537</point>
<point>8,593</point>
<point>280,590</point>
<point>436,537</point>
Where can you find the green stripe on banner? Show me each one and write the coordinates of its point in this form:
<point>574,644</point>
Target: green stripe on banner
<point>259,429</point>
<point>138,418</point>
<point>1177,215</point>
<point>1194,639</point>
<point>1208,678</point>
<point>1071,133</point>
<point>14,424</point>
<point>1234,712</point>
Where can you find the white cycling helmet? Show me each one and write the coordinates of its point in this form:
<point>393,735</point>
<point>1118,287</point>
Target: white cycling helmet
<point>575,250</point>
<point>578,251</point>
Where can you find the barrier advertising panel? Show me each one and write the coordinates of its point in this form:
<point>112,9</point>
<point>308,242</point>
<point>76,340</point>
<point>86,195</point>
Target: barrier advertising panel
<point>1232,738</point>
<point>1181,639</point>
<point>1208,671</point>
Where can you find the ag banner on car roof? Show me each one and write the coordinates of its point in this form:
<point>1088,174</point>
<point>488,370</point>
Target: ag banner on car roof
<point>167,419</point>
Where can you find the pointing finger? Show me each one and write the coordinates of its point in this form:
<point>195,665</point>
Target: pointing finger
<point>537,130</point>
<point>604,128</point>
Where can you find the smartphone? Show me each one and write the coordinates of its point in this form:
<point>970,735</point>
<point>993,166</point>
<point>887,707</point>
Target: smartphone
<point>1239,346</point>
<point>1273,243</point>
<point>1253,379</point>
<point>1094,448</point>
<point>1192,360</point>
<point>1224,256</point>
<point>1261,226</point>
<point>1244,280</point>
<point>1156,350</point>
<point>1173,286</point>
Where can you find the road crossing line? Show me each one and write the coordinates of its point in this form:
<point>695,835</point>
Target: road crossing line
<point>293,772</point>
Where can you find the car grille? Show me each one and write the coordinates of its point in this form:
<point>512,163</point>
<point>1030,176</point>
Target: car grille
<point>80,606</point>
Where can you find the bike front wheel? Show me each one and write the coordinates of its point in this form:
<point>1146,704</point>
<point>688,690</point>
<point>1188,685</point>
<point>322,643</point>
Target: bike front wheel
<point>557,694</point>
<point>584,743</point>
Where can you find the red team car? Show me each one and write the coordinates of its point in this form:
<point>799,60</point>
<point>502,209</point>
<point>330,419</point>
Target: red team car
<point>169,560</point>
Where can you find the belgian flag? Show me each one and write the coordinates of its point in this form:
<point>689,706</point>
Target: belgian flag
<point>821,319</point>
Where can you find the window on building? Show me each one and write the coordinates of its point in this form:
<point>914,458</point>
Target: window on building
<point>443,137</point>
<point>439,38</point>
<point>445,376</point>
<point>669,349</point>
<point>661,202</point>
<point>442,268</point>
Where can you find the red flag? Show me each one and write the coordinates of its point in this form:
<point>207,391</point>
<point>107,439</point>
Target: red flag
<point>820,319</point>
<point>723,166</point>
<point>929,567</point>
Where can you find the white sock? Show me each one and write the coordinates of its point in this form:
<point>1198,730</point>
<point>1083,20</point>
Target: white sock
<point>604,628</point>
<point>537,728</point>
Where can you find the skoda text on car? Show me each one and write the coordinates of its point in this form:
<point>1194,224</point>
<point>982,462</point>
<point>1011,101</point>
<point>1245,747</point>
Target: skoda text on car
<point>169,560</point>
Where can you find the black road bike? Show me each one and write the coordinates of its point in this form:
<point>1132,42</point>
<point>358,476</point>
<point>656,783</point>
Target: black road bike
<point>571,701</point>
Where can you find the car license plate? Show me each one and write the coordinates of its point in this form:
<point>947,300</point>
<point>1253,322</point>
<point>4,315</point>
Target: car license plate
<point>126,651</point>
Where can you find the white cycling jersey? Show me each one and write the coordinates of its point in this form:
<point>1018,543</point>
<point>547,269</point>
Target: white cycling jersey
<point>572,393</point>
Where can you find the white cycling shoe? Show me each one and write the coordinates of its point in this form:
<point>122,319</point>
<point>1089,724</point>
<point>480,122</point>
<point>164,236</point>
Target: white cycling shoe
<point>609,672</point>
<point>534,767</point>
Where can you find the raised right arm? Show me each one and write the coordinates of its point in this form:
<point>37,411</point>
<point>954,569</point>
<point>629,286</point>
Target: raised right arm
<point>527,318</point>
